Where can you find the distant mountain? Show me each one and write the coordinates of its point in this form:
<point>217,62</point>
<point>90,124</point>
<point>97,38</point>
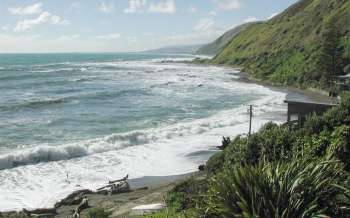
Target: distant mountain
<point>216,46</point>
<point>183,49</point>
<point>285,49</point>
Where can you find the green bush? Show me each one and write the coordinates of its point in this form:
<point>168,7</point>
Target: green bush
<point>271,143</point>
<point>184,195</point>
<point>297,189</point>
<point>215,163</point>
<point>277,172</point>
<point>340,145</point>
<point>98,213</point>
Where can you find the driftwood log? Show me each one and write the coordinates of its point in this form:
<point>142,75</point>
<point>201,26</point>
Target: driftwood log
<point>119,180</point>
<point>47,212</point>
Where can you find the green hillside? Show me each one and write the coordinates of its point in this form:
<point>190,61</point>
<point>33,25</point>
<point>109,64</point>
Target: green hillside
<point>220,43</point>
<point>285,49</point>
<point>179,49</point>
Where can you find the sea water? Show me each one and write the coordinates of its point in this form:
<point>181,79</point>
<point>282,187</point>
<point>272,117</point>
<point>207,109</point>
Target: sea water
<point>98,117</point>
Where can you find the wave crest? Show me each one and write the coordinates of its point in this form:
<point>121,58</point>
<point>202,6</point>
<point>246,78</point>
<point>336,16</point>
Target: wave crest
<point>109,143</point>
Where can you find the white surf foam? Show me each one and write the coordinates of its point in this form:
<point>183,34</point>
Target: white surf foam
<point>39,179</point>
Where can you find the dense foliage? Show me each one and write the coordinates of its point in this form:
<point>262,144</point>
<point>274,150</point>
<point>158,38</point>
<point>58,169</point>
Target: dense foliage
<point>98,213</point>
<point>288,48</point>
<point>280,171</point>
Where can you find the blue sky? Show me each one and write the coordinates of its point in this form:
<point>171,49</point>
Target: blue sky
<point>122,25</point>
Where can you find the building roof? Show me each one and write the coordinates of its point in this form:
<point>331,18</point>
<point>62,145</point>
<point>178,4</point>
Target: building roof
<point>309,102</point>
<point>345,76</point>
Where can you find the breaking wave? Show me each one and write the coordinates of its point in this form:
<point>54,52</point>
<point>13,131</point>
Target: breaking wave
<point>118,141</point>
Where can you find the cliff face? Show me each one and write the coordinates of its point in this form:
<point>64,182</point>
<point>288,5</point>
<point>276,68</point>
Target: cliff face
<point>285,48</point>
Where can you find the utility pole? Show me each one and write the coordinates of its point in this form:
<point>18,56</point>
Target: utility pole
<point>250,110</point>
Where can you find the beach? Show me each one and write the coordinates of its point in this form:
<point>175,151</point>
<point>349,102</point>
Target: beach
<point>146,190</point>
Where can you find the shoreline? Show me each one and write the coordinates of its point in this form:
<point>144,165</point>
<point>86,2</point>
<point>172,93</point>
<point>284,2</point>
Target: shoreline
<point>144,190</point>
<point>312,94</point>
<point>162,184</point>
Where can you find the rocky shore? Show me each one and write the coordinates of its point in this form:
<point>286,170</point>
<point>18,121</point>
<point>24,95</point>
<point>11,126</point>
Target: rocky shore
<point>145,190</point>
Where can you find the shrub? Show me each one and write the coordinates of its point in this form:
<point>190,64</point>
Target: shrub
<point>271,143</point>
<point>225,142</point>
<point>340,145</point>
<point>183,196</point>
<point>298,189</point>
<point>98,213</point>
<point>215,163</point>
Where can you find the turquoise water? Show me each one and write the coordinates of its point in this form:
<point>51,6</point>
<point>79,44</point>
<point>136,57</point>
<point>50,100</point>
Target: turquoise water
<point>99,116</point>
<point>59,98</point>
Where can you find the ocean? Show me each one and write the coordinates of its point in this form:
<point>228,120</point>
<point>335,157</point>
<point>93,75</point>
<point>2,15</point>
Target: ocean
<point>98,117</point>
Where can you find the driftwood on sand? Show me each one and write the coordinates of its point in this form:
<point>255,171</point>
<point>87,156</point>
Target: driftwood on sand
<point>115,187</point>
<point>119,180</point>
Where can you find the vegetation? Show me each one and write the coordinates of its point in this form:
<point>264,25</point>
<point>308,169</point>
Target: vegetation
<point>331,55</point>
<point>288,48</point>
<point>280,171</point>
<point>98,213</point>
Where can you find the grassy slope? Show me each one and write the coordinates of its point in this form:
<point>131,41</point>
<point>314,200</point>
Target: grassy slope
<point>220,43</point>
<point>284,49</point>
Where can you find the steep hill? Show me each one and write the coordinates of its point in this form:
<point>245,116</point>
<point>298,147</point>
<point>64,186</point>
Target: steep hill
<point>285,48</point>
<point>181,49</point>
<point>216,46</point>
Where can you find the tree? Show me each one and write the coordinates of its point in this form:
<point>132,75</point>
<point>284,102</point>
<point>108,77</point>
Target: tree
<point>347,55</point>
<point>330,59</point>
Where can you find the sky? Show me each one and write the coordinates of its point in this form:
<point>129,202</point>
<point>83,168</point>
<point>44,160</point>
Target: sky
<point>41,26</point>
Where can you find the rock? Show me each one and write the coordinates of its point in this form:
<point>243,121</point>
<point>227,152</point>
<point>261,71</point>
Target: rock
<point>201,167</point>
<point>74,198</point>
<point>41,212</point>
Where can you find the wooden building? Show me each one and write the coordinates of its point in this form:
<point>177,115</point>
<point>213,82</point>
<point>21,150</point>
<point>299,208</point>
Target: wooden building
<point>299,110</point>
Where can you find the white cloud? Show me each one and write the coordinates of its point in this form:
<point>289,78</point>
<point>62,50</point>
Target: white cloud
<point>111,36</point>
<point>44,18</point>
<point>204,25</point>
<point>161,6</point>
<point>164,6</point>
<point>4,28</point>
<point>136,6</point>
<point>68,37</point>
<point>106,7</point>
<point>26,10</point>
<point>205,30</point>
<point>271,16</point>
<point>250,19</point>
<point>227,5</point>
